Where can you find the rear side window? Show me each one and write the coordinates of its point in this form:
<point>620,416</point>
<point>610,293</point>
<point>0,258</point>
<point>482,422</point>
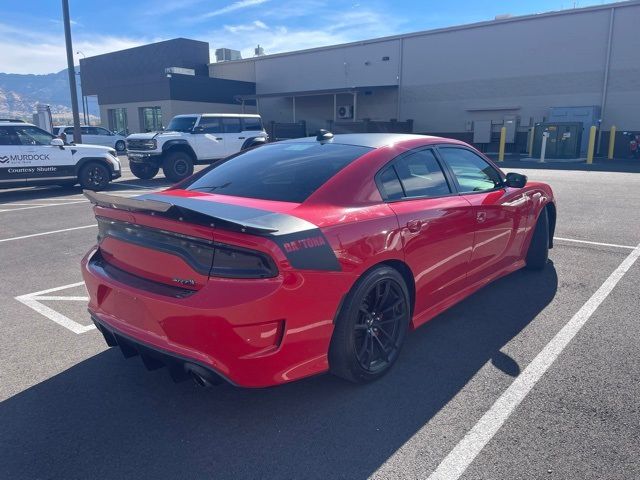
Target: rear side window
<point>287,172</point>
<point>472,172</point>
<point>390,185</point>
<point>252,124</point>
<point>421,175</point>
<point>8,136</point>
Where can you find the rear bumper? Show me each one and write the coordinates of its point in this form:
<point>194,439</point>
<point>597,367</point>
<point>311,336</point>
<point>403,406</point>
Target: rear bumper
<point>254,333</point>
<point>180,368</point>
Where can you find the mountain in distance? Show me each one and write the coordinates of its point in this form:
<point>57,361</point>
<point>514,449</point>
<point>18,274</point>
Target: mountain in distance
<point>20,93</point>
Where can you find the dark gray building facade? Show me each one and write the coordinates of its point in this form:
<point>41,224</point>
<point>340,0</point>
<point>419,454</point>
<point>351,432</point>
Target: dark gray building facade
<point>141,88</point>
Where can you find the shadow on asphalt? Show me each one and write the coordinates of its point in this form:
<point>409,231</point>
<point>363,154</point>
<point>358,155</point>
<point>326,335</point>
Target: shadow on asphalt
<point>110,418</point>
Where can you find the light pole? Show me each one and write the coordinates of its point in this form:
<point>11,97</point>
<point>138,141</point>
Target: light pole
<point>85,108</point>
<point>77,134</point>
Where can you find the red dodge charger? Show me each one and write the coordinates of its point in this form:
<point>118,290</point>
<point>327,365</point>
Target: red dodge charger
<point>308,255</point>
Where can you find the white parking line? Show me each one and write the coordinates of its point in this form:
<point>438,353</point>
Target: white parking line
<point>32,300</point>
<point>45,233</point>
<point>594,243</point>
<point>457,461</point>
<point>42,206</point>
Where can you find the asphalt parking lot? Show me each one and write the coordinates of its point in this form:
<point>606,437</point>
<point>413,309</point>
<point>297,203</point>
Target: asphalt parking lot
<point>535,376</point>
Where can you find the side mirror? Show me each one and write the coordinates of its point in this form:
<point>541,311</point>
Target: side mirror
<point>57,142</point>
<point>197,129</point>
<point>515,180</point>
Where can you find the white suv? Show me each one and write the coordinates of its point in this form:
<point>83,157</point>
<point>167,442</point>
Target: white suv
<point>32,156</point>
<point>94,136</point>
<point>191,139</point>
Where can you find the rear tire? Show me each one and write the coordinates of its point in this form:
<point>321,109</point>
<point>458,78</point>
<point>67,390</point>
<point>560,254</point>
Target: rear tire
<point>177,166</point>
<point>94,176</point>
<point>370,327</point>
<point>144,171</point>
<point>120,146</point>
<point>538,253</point>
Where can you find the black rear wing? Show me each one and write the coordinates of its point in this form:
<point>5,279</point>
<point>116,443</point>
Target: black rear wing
<point>174,207</point>
<point>302,242</point>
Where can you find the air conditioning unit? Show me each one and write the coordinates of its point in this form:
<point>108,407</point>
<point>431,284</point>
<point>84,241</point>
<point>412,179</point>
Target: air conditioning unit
<point>345,111</point>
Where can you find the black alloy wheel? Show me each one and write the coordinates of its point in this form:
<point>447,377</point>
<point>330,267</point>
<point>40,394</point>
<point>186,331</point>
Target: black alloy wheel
<point>94,176</point>
<point>371,326</point>
<point>380,326</point>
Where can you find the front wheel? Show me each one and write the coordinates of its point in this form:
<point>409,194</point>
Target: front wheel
<point>94,176</point>
<point>144,171</point>
<point>177,166</point>
<point>371,326</point>
<point>120,146</point>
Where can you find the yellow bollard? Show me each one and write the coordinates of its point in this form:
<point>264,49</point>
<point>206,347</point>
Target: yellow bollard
<point>503,139</point>
<point>612,142</point>
<point>592,143</point>
<point>530,146</point>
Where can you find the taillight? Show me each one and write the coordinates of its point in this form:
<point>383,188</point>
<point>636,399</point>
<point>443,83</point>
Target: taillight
<point>206,257</point>
<point>234,262</point>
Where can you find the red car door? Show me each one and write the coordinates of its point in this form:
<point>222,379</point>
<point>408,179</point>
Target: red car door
<point>501,213</point>
<point>437,226</point>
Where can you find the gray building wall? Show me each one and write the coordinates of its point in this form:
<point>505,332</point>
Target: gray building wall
<point>450,77</point>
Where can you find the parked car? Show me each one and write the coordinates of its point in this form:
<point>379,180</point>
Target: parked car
<point>191,139</point>
<point>31,156</point>
<point>95,136</point>
<point>308,255</point>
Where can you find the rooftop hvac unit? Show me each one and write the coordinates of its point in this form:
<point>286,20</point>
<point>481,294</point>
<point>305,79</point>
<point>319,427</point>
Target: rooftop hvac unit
<point>345,112</point>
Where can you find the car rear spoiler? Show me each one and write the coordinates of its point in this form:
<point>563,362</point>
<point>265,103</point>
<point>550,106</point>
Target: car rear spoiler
<point>302,242</point>
<point>171,207</point>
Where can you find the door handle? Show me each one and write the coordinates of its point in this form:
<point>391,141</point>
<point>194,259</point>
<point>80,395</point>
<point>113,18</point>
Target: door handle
<point>481,217</point>
<point>414,226</point>
<point>219,138</point>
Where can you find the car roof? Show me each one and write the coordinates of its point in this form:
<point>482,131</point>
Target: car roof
<point>242,115</point>
<point>372,140</point>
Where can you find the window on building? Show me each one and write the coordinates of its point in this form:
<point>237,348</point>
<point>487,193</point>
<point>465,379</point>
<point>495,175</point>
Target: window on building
<point>150,119</point>
<point>117,118</point>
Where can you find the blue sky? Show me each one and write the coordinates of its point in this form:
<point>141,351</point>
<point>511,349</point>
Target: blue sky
<point>32,38</point>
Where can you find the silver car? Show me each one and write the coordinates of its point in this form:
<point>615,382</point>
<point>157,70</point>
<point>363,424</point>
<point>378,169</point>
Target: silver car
<point>94,136</point>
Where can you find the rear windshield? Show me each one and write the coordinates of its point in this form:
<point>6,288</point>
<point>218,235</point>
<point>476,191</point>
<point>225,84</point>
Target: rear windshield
<point>287,172</point>
<point>181,124</point>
